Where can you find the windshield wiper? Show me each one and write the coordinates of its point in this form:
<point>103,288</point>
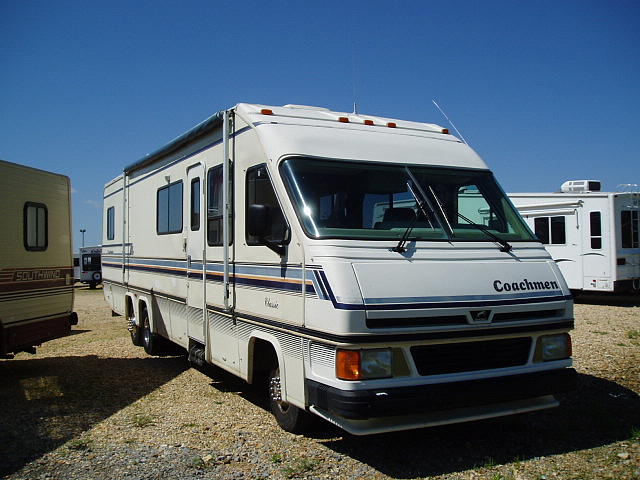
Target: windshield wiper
<point>506,246</point>
<point>400,247</point>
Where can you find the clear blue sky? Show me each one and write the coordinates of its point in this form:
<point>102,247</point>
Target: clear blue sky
<point>545,91</point>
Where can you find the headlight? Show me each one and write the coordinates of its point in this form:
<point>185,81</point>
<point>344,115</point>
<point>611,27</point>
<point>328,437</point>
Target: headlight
<point>553,347</point>
<point>363,364</point>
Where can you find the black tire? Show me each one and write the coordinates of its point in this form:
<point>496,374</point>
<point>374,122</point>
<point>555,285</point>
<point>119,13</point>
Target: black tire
<point>289,417</point>
<point>136,336</point>
<point>150,341</point>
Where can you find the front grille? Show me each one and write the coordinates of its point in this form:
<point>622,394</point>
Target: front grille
<point>530,315</point>
<point>471,356</point>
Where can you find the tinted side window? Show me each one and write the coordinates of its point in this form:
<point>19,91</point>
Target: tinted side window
<point>36,236</point>
<point>595,227</point>
<point>558,235</point>
<point>541,225</point>
<point>195,204</point>
<point>215,207</point>
<point>169,209</point>
<point>111,223</point>
<point>630,223</point>
<point>260,191</point>
<point>550,230</point>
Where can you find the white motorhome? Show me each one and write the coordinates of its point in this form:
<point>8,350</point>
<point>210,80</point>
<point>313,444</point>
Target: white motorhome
<point>89,266</point>
<point>252,241</point>
<point>592,235</point>
<point>36,269</point>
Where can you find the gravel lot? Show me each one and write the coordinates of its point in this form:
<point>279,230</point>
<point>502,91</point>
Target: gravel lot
<point>93,406</point>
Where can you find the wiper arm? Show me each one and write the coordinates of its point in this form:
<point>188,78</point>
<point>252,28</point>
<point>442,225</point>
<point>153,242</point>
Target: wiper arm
<point>400,247</point>
<point>506,246</point>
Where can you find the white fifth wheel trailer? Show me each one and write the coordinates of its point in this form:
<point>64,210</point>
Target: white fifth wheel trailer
<point>252,241</point>
<point>36,268</point>
<point>592,235</point>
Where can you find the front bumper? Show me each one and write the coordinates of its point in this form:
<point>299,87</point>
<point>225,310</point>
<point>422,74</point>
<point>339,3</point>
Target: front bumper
<point>389,402</point>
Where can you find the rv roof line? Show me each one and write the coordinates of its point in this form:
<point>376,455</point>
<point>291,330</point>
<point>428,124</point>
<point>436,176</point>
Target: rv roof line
<point>207,125</point>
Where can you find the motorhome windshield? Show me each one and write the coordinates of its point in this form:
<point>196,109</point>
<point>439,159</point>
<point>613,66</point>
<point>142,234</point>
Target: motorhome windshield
<point>377,201</point>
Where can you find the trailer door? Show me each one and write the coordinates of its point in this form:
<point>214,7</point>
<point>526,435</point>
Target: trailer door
<point>195,252</point>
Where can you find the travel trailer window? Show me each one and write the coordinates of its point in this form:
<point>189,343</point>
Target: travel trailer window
<point>214,209</point>
<point>195,204</point>
<point>169,209</point>
<point>358,200</point>
<point>111,223</point>
<point>595,224</point>
<point>260,191</point>
<point>35,226</point>
<point>550,230</point>
<point>630,224</point>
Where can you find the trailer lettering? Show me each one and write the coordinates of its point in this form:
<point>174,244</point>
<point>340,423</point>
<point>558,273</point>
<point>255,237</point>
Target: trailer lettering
<point>34,275</point>
<point>524,285</point>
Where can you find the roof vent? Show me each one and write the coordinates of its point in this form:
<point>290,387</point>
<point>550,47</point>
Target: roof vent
<point>574,186</point>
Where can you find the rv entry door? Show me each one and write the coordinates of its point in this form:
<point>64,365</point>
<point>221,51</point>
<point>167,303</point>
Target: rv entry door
<point>194,250</point>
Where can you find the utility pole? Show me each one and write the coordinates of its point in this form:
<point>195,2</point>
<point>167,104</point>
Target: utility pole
<point>82,230</point>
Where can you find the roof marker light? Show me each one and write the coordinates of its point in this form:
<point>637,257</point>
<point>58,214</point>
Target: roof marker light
<point>391,124</point>
<point>368,122</point>
<point>343,119</point>
<point>445,130</point>
<point>266,111</point>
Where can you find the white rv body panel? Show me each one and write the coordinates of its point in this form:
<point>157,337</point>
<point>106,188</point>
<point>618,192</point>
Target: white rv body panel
<point>296,302</point>
<point>604,257</point>
<point>36,265</point>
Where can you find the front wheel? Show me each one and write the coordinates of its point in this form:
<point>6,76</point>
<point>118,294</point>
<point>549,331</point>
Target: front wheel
<point>289,417</point>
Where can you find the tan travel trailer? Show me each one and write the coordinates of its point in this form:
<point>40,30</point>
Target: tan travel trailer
<point>36,266</point>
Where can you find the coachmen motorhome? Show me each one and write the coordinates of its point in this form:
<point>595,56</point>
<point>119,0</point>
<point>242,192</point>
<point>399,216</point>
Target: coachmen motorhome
<point>89,268</point>
<point>36,269</point>
<point>253,241</point>
<point>592,235</point>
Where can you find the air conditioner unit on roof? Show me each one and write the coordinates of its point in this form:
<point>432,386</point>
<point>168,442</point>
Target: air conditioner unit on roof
<point>573,186</point>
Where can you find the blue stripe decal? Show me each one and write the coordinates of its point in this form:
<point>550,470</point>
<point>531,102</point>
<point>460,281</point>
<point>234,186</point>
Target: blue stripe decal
<point>460,298</point>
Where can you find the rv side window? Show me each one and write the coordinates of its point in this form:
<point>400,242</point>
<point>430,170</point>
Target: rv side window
<point>111,223</point>
<point>595,223</point>
<point>195,204</point>
<point>214,209</point>
<point>550,230</point>
<point>169,209</point>
<point>260,191</point>
<point>630,223</point>
<point>35,226</point>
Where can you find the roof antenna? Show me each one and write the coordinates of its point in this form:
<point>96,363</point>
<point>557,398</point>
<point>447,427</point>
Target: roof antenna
<point>450,122</point>
<point>353,63</point>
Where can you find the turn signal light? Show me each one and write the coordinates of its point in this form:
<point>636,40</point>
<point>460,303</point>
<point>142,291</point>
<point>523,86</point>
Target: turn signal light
<point>348,364</point>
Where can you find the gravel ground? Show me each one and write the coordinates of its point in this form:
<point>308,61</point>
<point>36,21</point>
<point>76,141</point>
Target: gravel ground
<point>93,406</point>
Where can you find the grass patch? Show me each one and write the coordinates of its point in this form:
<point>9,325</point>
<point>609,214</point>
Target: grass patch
<point>142,420</point>
<point>276,458</point>
<point>490,462</point>
<point>599,332</point>
<point>300,467</point>
<point>635,433</point>
<point>633,334</point>
<point>80,444</point>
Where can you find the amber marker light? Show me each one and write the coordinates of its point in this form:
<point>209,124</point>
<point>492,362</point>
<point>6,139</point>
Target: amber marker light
<point>343,119</point>
<point>368,122</point>
<point>266,111</point>
<point>348,364</point>
<point>391,125</point>
<point>445,130</point>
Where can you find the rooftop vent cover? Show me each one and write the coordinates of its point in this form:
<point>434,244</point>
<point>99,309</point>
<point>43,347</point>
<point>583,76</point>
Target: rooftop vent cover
<point>573,186</point>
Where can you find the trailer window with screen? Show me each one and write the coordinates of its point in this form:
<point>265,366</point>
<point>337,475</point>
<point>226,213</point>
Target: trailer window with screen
<point>595,226</point>
<point>35,226</point>
<point>550,230</point>
<point>111,223</point>
<point>169,209</point>
<point>630,225</point>
<point>195,204</point>
<point>215,206</point>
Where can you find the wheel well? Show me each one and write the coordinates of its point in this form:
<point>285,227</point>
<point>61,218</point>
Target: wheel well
<point>263,358</point>
<point>128,307</point>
